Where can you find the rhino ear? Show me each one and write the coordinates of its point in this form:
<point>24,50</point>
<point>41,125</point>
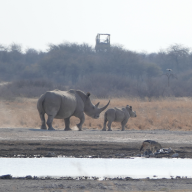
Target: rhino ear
<point>131,107</point>
<point>97,104</point>
<point>88,94</point>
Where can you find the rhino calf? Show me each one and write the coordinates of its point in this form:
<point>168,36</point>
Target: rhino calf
<point>118,115</point>
<point>65,104</point>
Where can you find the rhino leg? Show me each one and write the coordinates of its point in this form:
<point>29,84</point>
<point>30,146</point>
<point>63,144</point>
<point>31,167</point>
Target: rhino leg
<point>43,125</point>
<point>104,128</point>
<point>49,122</point>
<point>82,119</point>
<point>67,124</point>
<point>104,124</point>
<point>109,125</point>
<point>123,123</point>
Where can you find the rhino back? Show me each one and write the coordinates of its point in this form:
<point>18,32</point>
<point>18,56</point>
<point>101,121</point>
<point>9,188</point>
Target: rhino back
<point>115,114</point>
<point>61,103</point>
<point>119,114</point>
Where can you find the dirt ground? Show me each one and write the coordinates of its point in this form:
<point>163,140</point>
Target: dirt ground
<point>24,142</point>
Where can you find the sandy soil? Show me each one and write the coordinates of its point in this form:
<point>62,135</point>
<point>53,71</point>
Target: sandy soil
<point>23,142</point>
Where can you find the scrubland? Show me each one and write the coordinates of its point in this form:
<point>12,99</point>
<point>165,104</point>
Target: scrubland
<point>166,113</point>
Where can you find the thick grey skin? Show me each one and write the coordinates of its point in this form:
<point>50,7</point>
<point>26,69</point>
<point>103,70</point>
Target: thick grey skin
<point>64,104</point>
<point>118,115</point>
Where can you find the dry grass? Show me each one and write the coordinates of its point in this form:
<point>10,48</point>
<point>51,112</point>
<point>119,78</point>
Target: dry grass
<point>166,113</point>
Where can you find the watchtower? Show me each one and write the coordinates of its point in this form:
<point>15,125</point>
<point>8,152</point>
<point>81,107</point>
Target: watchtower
<point>102,42</point>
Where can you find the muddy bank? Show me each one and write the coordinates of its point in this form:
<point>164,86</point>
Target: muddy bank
<point>82,149</point>
<point>94,144</point>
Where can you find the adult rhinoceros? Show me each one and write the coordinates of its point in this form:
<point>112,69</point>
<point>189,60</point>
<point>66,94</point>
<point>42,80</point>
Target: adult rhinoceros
<point>118,115</point>
<point>64,104</point>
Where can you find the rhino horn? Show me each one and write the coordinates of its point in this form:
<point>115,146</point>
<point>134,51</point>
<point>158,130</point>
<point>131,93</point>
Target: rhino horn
<point>97,104</point>
<point>103,108</point>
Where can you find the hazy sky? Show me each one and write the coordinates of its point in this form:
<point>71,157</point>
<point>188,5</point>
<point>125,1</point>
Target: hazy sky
<point>138,25</point>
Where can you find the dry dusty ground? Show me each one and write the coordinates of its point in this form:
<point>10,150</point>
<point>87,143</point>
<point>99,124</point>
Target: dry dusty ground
<point>172,114</point>
<point>116,144</point>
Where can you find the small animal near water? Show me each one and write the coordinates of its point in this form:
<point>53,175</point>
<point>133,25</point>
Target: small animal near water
<point>118,115</point>
<point>151,145</point>
<point>64,104</point>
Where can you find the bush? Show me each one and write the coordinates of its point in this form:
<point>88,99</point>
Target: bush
<point>27,88</point>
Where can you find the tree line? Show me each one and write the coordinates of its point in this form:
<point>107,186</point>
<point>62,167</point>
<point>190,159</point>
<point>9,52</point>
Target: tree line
<point>115,73</point>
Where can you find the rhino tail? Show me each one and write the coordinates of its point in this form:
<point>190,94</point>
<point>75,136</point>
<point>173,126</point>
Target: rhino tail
<point>105,117</point>
<point>40,104</point>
